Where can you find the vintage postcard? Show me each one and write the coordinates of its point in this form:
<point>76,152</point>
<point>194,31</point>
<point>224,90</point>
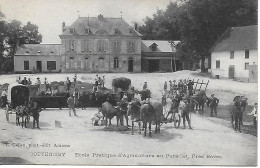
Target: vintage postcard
<point>118,82</point>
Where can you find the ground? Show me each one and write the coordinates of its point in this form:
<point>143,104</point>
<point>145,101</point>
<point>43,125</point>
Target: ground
<point>212,141</point>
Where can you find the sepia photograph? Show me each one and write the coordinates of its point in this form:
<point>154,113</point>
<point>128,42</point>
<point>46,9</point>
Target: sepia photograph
<point>129,83</point>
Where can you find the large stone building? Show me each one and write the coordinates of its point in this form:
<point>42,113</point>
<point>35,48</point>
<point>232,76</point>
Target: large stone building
<point>96,44</point>
<point>235,55</point>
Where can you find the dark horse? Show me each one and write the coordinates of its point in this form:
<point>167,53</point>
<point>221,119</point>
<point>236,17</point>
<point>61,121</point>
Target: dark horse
<point>145,94</point>
<point>201,99</point>
<point>151,112</point>
<point>133,110</point>
<point>236,111</point>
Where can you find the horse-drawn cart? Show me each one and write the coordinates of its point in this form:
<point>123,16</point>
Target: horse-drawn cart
<point>17,95</point>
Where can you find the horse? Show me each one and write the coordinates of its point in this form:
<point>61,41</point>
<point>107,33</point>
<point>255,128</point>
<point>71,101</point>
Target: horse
<point>22,112</point>
<point>200,100</point>
<point>151,112</point>
<point>236,112</point>
<point>145,94</point>
<point>244,103</point>
<point>109,111</point>
<point>133,110</point>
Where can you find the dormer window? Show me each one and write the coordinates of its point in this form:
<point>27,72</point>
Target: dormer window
<point>117,31</point>
<point>27,52</point>
<point>131,31</point>
<point>71,31</point>
<point>39,52</point>
<point>51,52</point>
<point>87,30</point>
<point>153,47</point>
<point>63,30</point>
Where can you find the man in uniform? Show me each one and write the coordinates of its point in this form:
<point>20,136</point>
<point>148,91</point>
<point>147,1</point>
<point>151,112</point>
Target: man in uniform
<point>35,114</point>
<point>186,113</point>
<point>68,84</point>
<point>145,86</point>
<point>190,87</point>
<point>24,81</point>
<point>71,105</point>
<point>123,105</point>
<point>213,105</point>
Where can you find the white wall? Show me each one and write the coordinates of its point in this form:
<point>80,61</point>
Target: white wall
<point>238,61</point>
<point>19,62</point>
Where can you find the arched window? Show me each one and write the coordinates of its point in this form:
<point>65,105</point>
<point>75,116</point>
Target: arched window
<point>71,63</point>
<point>116,62</point>
<point>101,62</point>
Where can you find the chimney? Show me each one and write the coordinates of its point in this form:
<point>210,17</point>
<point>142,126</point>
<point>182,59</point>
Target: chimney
<point>100,17</point>
<point>63,24</point>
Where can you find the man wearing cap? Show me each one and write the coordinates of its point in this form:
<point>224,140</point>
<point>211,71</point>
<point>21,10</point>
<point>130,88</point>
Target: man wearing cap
<point>185,114</point>
<point>3,98</point>
<point>38,83</point>
<point>47,85</point>
<point>145,86</point>
<point>68,84</point>
<point>213,105</point>
<point>190,87</point>
<point>24,81</point>
<point>71,105</point>
<point>123,104</point>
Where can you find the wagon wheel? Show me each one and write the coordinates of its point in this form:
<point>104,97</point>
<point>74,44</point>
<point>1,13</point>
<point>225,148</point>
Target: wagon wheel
<point>176,120</point>
<point>7,113</point>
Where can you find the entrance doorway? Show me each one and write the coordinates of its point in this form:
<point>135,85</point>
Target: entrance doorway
<point>231,72</point>
<point>130,65</point>
<point>153,65</point>
<point>38,66</point>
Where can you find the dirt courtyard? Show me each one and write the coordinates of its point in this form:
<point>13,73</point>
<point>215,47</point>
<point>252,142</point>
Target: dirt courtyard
<point>212,141</point>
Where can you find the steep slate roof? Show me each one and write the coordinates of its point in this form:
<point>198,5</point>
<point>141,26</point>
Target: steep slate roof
<point>32,49</point>
<point>237,38</point>
<point>96,24</point>
<point>162,45</point>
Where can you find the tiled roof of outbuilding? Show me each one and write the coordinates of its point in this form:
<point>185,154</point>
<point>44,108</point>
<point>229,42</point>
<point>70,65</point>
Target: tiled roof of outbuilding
<point>38,49</point>
<point>162,45</point>
<point>96,24</point>
<point>237,38</point>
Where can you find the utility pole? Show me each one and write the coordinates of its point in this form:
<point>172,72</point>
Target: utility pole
<point>173,56</point>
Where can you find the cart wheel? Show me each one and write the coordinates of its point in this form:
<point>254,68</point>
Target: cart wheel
<point>177,120</point>
<point>7,113</point>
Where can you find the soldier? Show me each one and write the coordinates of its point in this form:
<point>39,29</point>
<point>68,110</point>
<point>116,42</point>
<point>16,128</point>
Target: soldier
<point>145,86</point>
<point>38,83</point>
<point>76,97</point>
<point>190,87</point>
<point>186,113</point>
<point>213,105</point>
<point>47,85</point>
<point>103,81</point>
<point>35,114</point>
<point>68,84</point>
<point>24,81</point>
<point>171,87</point>
<point>165,86</point>
<point>3,98</point>
<point>29,81</point>
<point>71,105</point>
<point>75,80</point>
<point>123,104</point>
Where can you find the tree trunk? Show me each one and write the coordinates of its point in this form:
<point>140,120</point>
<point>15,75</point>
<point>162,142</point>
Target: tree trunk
<point>203,64</point>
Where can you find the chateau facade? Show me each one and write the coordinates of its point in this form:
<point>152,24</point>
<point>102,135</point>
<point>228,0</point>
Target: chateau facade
<point>95,44</point>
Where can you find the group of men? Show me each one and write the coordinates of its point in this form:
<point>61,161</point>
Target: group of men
<point>184,86</point>
<point>99,82</point>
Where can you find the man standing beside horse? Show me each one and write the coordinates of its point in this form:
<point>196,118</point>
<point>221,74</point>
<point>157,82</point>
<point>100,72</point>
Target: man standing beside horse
<point>213,105</point>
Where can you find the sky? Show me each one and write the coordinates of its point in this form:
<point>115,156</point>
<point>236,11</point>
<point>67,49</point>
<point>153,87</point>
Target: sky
<point>48,15</point>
